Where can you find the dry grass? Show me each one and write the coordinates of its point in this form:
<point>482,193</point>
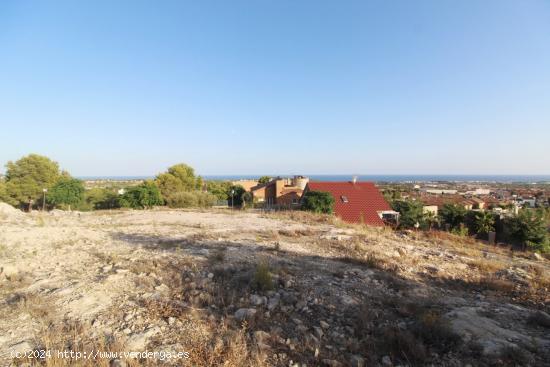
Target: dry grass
<point>487,266</point>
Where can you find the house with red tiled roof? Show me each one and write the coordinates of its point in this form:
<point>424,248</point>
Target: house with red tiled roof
<point>355,202</point>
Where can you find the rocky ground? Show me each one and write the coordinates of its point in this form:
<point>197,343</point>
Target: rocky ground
<point>241,288</point>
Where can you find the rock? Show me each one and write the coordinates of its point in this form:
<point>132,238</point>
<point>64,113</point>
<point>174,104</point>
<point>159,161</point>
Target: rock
<point>324,324</point>
<point>332,363</point>
<point>257,300</point>
<point>107,268</point>
<point>318,332</point>
<point>537,256</point>
<point>117,363</point>
<point>273,302</point>
<point>244,314</point>
<point>357,361</point>
<point>139,341</point>
<point>540,318</point>
<point>261,336</point>
<point>210,275</point>
<point>171,320</point>
<point>386,361</point>
<point>21,347</point>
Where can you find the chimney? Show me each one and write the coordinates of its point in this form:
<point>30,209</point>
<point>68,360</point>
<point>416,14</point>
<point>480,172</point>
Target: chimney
<point>354,179</point>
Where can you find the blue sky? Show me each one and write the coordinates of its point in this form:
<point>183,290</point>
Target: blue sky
<point>373,87</point>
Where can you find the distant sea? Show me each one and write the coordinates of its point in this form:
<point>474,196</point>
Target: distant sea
<point>375,178</point>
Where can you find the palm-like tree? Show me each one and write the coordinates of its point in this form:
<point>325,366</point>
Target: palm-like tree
<point>484,222</point>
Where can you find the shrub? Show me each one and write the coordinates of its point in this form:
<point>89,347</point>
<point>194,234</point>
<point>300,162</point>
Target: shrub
<point>262,277</point>
<point>235,195</point>
<point>143,196</point>
<point>191,199</point>
<point>318,202</point>
<point>220,189</point>
<point>98,198</point>
<point>66,192</point>
<point>410,213</point>
<point>452,214</point>
<point>528,229</point>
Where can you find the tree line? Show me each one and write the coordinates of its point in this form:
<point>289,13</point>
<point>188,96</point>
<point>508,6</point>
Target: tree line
<point>526,229</point>
<point>35,181</point>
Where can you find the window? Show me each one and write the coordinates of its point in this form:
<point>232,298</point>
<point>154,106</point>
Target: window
<point>344,199</point>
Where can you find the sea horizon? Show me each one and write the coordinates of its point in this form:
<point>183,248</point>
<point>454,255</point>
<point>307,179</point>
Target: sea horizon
<point>375,178</point>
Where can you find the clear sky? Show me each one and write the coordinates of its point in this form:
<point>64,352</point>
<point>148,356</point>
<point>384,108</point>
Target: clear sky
<point>373,87</point>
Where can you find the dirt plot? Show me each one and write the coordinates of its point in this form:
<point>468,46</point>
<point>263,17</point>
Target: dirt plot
<point>239,288</point>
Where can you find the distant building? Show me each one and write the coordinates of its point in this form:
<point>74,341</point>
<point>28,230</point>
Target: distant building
<point>280,192</point>
<point>356,202</point>
<point>440,191</point>
<point>246,184</point>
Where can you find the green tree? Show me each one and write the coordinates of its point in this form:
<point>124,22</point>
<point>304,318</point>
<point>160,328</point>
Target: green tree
<point>27,177</point>
<point>4,193</point>
<point>452,214</point>
<point>247,199</point>
<point>264,179</point>
<point>484,222</point>
<point>219,188</point>
<point>235,195</point>
<point>179,177</point>
<point>318,202</point>
<point>410,213</point>
<point>66,192</point>
<point>528,229</point>
<point>142,196</point>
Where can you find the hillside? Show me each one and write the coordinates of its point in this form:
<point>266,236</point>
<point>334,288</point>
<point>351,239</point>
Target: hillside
<point>238,289</point>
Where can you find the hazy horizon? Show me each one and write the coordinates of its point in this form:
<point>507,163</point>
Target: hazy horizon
<point>129,88</point>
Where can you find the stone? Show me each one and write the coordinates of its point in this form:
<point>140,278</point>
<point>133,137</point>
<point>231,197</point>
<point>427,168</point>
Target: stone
<point>21,347</point>
<point>261,336</point>
<point>357,361</point>
<point>257,300</point>
<point>139,341</point>
<point>324,324</point>
<point>332,363</point>
<point>541,318</point>
<point>117,363</point>
<point>318,332</point>
<point>210,275</point>
<point>273,302</point>
<point>244,314</point>
<point>171,320</point>
<point>386,361</point>
<point>537,257</point>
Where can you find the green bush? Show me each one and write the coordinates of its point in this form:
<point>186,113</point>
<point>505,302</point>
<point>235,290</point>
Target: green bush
<point>143,196</point>
<point>191,199</point>
<point>235,195</point>
<point>99,198</point>
<point>220,189</point>
<point>410,213</point>
<point>262,277</point>
<point>66,193</point>
<point>318,202</point>
<point>528,229</point>
<point>453,215</point>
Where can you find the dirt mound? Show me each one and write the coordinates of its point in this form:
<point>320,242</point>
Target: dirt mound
<point>9,212</point>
